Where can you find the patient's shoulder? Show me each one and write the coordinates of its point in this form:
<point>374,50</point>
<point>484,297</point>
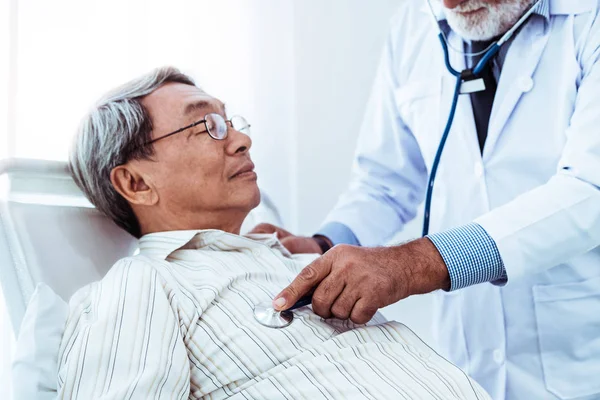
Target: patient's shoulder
<point>132,290</point>
<point>126,275</point>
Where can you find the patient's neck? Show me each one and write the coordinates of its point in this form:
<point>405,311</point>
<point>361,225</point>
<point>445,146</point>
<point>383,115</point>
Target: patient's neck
<point>225,220</point>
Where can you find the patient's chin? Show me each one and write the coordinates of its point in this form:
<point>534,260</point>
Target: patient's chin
<point>244,197</point>
<point>255,201</point>
<point>247,198</point>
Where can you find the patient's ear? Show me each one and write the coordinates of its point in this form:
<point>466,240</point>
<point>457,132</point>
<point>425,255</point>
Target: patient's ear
<point>133,185</point>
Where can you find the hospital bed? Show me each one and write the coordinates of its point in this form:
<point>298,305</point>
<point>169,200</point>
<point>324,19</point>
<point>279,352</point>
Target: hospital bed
<point>50,233</point>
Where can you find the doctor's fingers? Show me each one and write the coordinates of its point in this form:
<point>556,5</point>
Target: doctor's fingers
<point>345,303</point>
<point>366,285</point>
<point>326,295</point>
<point>363,311</point>
<point>373,274</point>
<point>306,280</point>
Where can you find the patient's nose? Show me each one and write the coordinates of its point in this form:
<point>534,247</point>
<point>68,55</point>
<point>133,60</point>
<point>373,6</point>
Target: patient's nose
<point>237,142</point>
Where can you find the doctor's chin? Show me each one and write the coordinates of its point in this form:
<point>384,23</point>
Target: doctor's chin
<point>232,228</point>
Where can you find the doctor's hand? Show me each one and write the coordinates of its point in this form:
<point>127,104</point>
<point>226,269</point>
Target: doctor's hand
<point>294,244</point>
<point>354,282</point>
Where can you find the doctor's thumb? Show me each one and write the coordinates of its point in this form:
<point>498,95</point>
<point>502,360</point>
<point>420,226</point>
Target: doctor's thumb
<point>286,299</point>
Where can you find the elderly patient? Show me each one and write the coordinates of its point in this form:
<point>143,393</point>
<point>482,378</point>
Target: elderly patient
<point>162,159</point>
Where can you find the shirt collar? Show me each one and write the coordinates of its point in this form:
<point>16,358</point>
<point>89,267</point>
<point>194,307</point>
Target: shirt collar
<point>162,244</point>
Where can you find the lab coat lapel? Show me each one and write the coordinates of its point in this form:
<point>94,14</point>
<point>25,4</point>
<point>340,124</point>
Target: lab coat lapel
<point>516,78</point>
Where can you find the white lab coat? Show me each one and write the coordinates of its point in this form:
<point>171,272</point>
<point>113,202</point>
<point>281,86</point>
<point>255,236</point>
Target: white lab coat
<point>535,190</point>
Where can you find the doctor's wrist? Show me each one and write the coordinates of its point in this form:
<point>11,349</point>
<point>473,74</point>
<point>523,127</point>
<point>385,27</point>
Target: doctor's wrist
<point>324,243</point>
<point>429,272</point>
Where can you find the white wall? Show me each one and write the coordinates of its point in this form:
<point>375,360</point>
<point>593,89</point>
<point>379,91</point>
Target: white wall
<point>271,107</point>
<point>6,335</point>
<point>4,74</point>
<point>338,44</point>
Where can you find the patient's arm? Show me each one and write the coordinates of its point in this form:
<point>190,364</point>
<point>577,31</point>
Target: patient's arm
<point>122,339</point>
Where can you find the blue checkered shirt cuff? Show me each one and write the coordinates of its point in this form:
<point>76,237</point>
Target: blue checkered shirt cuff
<point>471,256</point>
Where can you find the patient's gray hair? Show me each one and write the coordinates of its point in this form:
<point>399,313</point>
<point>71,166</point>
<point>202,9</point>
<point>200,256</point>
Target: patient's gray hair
<point>111,134</point>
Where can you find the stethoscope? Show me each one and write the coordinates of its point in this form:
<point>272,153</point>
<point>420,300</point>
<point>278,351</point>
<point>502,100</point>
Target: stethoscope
<point>264,313</point>
<point>467,74</point>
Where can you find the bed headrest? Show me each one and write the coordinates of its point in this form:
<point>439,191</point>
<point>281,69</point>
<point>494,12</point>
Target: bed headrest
<point>50,233</point>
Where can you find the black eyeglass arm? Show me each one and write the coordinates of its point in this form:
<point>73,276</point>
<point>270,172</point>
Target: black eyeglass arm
<point>175,132</point>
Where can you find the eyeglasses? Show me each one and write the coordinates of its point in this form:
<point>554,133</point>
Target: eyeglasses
<point>215,125</point>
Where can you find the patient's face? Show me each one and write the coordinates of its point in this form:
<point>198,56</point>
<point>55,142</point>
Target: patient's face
<point>192,172</point>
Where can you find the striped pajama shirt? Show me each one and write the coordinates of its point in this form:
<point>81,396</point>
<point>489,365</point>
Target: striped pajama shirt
<point>176,322</point>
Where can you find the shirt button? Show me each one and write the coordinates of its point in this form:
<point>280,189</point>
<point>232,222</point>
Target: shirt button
<point>526,84</point>
<point>478,170</point>
<point>257,253</point>
<point>498,356</point>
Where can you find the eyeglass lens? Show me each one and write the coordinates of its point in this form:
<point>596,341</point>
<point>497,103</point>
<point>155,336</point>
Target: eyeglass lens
<point>240,124</point>
<point>217,126</point>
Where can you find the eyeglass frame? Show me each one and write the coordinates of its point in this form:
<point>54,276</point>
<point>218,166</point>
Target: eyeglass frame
<point>198,123</point>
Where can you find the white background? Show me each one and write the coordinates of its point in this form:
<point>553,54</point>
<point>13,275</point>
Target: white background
<point>300,71</point>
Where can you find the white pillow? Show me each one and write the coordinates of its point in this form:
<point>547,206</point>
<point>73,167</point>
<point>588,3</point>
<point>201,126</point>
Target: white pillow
<point>35,369</point>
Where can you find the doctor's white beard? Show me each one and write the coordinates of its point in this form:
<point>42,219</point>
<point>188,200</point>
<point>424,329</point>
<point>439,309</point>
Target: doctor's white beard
<point>496,18</point>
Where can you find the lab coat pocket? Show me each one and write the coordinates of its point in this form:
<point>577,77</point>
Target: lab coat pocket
<point>418,105</point>
<point>568,320</point>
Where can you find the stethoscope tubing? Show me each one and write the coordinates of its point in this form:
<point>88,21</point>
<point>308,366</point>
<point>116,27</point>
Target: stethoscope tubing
<point>438,155</point>
<point>487,57</point>
<point>304,301</point>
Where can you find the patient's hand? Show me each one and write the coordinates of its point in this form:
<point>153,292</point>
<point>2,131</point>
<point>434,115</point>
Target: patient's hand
<point>295,244</point>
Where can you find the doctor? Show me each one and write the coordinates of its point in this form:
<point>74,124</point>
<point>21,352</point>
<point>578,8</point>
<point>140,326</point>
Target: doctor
<point>515,218</point>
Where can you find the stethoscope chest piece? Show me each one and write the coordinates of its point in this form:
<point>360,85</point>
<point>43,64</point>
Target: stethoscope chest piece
<point>265,315</point>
